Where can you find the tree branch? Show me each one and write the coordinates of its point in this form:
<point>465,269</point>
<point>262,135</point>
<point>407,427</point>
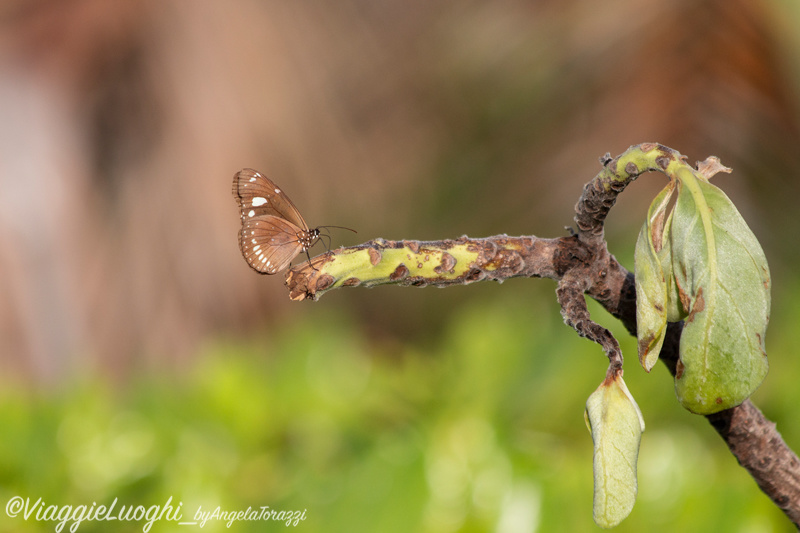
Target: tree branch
<point>581,264</point>
<point>752,439</point>
<point>438,263</point>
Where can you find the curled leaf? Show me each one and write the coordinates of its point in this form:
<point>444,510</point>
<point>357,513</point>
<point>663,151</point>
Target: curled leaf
<point>616,425</point>
<point>711,166</point>
<point>651,255</point>
<point>723,284</point>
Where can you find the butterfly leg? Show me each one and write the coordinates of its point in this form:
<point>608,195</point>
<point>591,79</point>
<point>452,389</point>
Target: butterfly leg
<point>309,260</point>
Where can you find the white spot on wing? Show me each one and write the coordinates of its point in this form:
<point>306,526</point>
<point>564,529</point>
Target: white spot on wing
<point>277,190</point>
<point>251,213</point>
<point>259,201</point>
<point>252,179</point>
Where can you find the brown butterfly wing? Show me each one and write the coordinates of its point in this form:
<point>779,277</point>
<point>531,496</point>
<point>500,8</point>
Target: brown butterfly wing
<point>270,243</point>
<point>257,195</point>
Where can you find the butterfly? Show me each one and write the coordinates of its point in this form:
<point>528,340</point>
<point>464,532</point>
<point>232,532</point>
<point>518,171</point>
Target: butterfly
<point>273,231</point>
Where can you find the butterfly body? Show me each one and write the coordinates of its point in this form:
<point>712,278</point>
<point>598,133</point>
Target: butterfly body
<point>273,231</point>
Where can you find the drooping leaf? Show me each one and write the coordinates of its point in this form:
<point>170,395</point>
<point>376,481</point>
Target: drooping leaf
<point>651,282</point>
<point>723,284</point>
<point>616,425</point>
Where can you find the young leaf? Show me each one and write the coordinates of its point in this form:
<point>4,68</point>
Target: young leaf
<point>616,425</point>
<point>723,284</point>
<point>651,254</point>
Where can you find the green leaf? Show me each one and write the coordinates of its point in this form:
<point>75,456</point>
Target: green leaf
<point>616,425</point>
<point>651,255</point>
<point>723,284</point>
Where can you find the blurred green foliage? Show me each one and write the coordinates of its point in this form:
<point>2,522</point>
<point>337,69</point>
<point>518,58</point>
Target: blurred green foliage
<point>479,430</point>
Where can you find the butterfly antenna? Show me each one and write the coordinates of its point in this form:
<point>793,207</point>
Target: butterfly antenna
<point>340,227</point>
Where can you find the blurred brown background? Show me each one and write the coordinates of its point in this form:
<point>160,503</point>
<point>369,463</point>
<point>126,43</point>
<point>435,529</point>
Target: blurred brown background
<point>122,124</point>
